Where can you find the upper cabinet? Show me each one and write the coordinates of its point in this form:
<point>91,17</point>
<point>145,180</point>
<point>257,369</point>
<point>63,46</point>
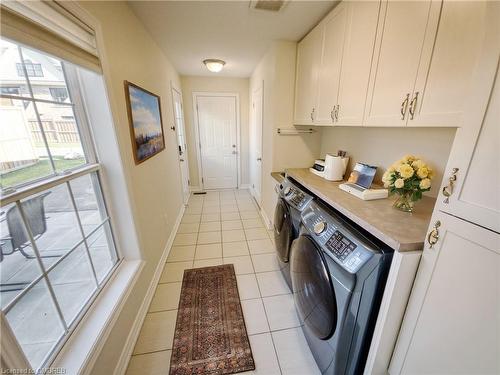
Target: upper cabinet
<point>308,63</point>
<point>333,91</point>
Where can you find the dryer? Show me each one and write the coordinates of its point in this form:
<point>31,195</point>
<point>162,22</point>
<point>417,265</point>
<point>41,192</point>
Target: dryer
<point>292,200</point>
<point>338,273</point>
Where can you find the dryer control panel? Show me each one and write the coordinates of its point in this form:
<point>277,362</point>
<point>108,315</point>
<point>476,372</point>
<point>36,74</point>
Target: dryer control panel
<point>333,235</point>
<point>294,195</point>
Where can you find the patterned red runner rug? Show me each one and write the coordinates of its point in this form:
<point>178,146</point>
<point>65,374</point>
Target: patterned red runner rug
<point>210,335</point>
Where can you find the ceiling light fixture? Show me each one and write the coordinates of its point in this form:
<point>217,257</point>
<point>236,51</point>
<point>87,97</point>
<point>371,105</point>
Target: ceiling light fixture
<point>214,65</point>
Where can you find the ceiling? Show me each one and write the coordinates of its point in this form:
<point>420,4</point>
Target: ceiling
<point>191,31</point>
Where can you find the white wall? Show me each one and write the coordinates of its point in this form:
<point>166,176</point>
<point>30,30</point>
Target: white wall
<point>155,186</point>
<point>192,84</point>
<point>384,146</point>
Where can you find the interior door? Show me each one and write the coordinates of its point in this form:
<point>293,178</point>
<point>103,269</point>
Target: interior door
<point>397,54</point>
<point>452,321</point>
<point>256,142</point>
<point>181,142</point>
<point>331,61</point>
<point>217,129</point>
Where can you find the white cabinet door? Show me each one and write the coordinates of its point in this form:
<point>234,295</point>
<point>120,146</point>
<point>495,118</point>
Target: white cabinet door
<point>331,61</point>
<point>447,64</point>
<point>452,321</point>
<point>356,61</point>
<point>475,194</point>
<point>306,85</point>
<point>398,48</point>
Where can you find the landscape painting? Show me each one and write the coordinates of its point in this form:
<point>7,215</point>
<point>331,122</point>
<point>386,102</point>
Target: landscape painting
<point>146,128</point>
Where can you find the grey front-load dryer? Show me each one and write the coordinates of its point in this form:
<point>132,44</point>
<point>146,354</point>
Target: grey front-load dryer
<point>292,200</point>
<point>338,273</point>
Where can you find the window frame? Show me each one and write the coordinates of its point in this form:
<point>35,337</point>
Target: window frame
<point>91,168</point>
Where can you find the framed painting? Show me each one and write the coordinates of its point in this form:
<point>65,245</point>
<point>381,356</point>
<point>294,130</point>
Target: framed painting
<point>146,127</point>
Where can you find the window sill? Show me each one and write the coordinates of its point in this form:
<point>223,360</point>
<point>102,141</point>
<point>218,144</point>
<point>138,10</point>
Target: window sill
<point>83,347</point>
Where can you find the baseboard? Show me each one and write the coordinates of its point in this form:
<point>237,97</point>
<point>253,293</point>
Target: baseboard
<point>267,221</point>
<point>121,367</point>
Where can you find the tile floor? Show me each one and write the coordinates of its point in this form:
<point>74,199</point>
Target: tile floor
<point>224,227</point>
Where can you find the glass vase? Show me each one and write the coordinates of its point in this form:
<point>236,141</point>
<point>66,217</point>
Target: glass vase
<point>404,202</point>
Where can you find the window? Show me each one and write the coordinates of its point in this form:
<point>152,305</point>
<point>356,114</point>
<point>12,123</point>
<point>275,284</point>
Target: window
<point>59,94</point>
<point>56,238</point>
<point>33,70</point>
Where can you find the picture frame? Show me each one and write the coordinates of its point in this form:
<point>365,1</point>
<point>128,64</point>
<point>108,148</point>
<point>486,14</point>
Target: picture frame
<point>145,122</point>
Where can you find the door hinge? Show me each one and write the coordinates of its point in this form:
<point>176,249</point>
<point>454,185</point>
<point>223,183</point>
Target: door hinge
<point>202,180</point>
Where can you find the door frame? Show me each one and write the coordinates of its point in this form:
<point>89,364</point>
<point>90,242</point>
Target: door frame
<point>173,87</point>
<point>196,95</point>
<point>252,125</point>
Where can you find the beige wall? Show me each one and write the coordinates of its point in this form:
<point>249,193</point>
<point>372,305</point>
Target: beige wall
<point>277,72</point>
<point>215,84</point>
<point>155,188</point>
<point>384,146</point>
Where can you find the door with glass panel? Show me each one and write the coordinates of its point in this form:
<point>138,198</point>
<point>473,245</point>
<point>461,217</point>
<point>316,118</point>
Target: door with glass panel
<point>56,241</point>
<point>181,142</point>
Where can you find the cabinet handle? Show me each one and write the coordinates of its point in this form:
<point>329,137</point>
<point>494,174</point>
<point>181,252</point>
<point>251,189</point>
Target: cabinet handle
<point>332,114</point>
<point>413,105</point>
<point>433,236</point>
<point>404,106</point>
<point>448,189</point>
<point>337,112</point>
<point>312,115</point>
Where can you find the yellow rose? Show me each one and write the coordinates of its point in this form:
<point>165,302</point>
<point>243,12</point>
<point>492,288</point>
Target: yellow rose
<point>406,171</point>
<point>425,183</point>
<point>417,164</point>
<point>399,183</point>
<point>422,172</point>
<point>386,178</point>
<point>430,173</point>
<point>409,158</point>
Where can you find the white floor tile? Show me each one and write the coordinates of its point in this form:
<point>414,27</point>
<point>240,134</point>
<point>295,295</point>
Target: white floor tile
<point>210,226</point>
<point>194,210</point>
<point>188,228</point>
<point>209,237</point>
<point>242,265</point>
<point>166,297</point>
<point>183,239</point>
<point>208,251</point>
<point>229,208</point>
<point>225,216</point>
<point>207,262</point>
<point>256,234</point>
<point>264,355</point>
<point>181,253</point>
<point>210,217</point>
<point>233,249</point>
<point>157,363</point>
<point>265,262</point>
<point>294,355</point>
<point>211,209</point>
<point>255,316</point>
<point>247,287</point>
<point>190,218</point>
<point>232,224</point>
<point>211,203</point>
<point>261,246</point>
<point>252,223</point>
<point>233,235</point>
<point>272,284</point>
<point>249,214</point>
<point>281,312</point>
<point>174,271</point>
<point>157,332</point>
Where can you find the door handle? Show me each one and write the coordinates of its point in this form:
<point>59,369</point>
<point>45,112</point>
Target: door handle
<point>433,236</point>
<point>181,159</point>
<point>259,159</point>
<point>448,189</point>
<point>404,106</point>
<point>337,108</point>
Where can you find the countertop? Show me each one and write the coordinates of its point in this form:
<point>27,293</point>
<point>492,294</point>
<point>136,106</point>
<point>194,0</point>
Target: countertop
<point>278,176</point>
<point>402,231</point>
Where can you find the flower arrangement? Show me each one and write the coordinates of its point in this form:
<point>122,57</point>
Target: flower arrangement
<point>409,178</point>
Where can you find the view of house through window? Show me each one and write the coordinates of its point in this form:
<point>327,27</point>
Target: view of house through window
<point>56,245</point>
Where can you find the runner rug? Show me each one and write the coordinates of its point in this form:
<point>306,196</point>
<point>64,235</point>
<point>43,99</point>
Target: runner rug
<point>210,335</point>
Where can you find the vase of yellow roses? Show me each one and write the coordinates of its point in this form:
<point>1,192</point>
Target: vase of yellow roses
<point>408,178</point>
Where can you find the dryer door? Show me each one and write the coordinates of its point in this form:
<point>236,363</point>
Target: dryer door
<point>283,229</point>
<point>313,289</point>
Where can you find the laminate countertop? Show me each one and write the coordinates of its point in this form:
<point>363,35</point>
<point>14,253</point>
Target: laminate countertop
<point>278,176</point>
<point>402,231</point>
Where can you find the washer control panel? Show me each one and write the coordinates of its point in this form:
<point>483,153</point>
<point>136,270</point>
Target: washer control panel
<point>344,245</point>
<point>294,195</point>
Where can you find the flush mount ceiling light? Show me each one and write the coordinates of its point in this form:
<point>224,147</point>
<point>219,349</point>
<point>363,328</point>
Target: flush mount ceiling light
<point>214,65</point>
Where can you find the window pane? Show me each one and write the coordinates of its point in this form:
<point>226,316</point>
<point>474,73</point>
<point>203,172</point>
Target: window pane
<point>73,283</point>
<point>12,79</point>
<point>89,202</point>
<point>17,268</point>
<point>61,130</point>
<point>23,156</point>
<point>36,324</point>
<point>102,251</point>
<point>53,222</point>
<point>44,72</point>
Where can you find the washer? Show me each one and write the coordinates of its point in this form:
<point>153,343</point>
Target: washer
<point>292,200</point>
<point>338,273</point>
